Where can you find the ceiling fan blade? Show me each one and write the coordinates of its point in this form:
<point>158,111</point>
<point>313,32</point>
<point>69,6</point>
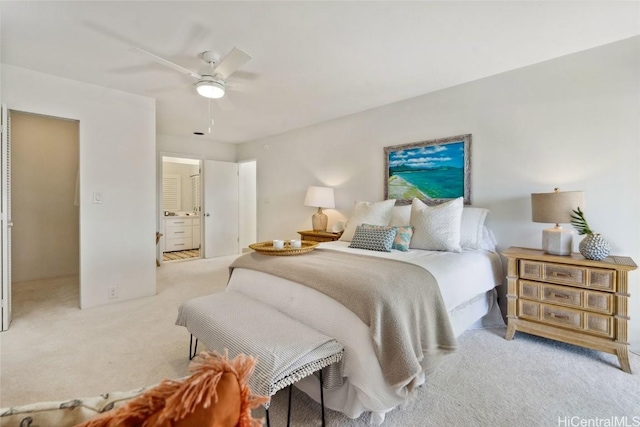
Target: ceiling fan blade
<point>166,63</point>
<point>230,63</point>
<point>162,90</point>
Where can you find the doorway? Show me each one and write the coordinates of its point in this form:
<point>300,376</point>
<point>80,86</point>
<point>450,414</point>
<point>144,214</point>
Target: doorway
<point>219,203</point>
<point>45,241</point>
<point>181,209</point>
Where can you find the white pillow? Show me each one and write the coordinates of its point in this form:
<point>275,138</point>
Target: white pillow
<point>471,227</point>
<point>400,215</point>
<point>436,228</point>
<point>488,240</point>
<point>375,213</point>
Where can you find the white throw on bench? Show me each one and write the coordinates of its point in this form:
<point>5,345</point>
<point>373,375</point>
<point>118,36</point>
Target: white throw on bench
<point>286,349</point>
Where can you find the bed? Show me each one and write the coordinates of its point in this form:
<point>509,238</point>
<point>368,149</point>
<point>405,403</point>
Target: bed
<point>466,282</point>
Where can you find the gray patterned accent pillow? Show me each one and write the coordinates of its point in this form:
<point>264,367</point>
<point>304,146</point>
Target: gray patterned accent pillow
<point>373,239</point>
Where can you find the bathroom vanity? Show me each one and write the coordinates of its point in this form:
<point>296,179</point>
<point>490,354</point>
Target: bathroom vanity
<point>181,233</point>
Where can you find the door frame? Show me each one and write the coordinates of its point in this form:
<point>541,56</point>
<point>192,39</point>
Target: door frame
<point>159,210</point>
<point>5,220</point>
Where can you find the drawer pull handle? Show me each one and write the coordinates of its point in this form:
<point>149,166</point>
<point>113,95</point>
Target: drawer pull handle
<point>557,316</point>
<point>179,244</point>
<point>557,274</point>
<point>179,232</point>
<point>563,296</point>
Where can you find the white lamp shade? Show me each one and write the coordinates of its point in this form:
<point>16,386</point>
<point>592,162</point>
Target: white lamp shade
<point>210,89</point>
<point>555,208</point>
<point>320,197</point>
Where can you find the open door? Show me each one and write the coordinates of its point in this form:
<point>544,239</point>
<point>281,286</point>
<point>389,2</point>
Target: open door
<point>221,209</point>
<point>5,219</point>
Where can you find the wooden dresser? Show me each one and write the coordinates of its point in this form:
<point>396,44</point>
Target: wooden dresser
<point>319,236</point>
<point>570,299</point>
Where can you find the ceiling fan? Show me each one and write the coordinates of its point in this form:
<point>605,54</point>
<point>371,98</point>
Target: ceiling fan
<point>212,82</point>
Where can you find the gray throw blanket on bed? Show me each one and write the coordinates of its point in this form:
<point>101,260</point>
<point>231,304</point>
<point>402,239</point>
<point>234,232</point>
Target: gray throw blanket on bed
<point>399,301</point>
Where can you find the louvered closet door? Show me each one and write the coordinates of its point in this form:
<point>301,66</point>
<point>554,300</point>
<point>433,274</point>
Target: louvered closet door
<point>171,197</point>
<point>195,193</point>
<point>5,215</point>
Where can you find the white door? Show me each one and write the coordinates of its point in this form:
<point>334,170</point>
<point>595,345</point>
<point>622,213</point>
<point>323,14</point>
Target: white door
<point>5,219</point>
<point>221,209</point>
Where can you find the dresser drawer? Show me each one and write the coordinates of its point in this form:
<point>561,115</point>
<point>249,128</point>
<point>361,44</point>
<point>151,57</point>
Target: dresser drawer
<point>529,290</point>
<point>562,274</point>
<point>599,324</point>
<point>571,297</point>
<point>568,296</point>
<point>565,274</point>
<point>561,316</point>
<point>556,273</point>
<point>599,301</point>
<point>178,244</point>
<point>530,269</point>
<point>178,232</point>
<point>596,324</point>
<point>173,222</point>
<point>601,279</point>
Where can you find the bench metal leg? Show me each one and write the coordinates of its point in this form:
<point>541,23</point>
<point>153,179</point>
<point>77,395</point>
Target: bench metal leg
<point>289,406</point>
<point>321,398</point>
<point>289,411</point>
<point>192,349</point>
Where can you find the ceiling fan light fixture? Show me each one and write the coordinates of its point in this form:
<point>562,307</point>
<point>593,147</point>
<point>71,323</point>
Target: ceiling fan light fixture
<point>210,88</point>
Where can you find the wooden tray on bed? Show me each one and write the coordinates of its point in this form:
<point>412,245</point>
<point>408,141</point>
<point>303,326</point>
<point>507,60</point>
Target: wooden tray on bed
<point>266,248</point>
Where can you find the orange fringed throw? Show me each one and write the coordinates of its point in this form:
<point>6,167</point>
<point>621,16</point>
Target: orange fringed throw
<point>216,394</point>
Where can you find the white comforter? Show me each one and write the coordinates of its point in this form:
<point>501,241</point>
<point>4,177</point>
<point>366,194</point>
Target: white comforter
<point>460,276</point>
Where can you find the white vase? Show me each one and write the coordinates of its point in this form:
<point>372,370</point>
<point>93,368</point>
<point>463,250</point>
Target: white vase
<point>594,247</point>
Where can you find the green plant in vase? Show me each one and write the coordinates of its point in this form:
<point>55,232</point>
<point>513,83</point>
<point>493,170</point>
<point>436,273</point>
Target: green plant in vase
<point>593,246</point>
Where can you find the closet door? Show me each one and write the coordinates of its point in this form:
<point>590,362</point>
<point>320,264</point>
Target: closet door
<point>5,219</point>
<point>221,209</point>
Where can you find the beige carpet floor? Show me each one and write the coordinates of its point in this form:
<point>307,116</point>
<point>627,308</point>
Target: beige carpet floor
<point>54,351</point>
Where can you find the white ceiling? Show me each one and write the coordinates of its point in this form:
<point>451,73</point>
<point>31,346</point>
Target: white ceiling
<point>312,61</point>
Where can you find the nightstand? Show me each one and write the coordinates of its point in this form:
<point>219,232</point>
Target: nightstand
<point>319,236</point>
<point>570,299</point>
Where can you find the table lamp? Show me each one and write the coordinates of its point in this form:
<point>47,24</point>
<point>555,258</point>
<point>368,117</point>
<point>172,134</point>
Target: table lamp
<point>319,197</point>
<point>555,208</point>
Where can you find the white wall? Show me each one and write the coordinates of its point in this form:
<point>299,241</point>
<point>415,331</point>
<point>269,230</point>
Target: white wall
<point>196,148</point>
<point>248,204</point>
<point>572,123</point>
<point>117,158</point>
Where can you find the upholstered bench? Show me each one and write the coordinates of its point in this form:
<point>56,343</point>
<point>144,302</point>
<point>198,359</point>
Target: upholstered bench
<point>286,349</point>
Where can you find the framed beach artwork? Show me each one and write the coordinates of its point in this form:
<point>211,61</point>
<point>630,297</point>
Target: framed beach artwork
<point>434,171</point>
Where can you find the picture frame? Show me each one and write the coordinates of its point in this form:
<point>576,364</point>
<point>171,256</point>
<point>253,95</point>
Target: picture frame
<point>434,171</point>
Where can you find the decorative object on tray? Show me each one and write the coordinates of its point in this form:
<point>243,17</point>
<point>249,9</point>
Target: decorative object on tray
<point>433,171</point>
<point>267,248</point>
<point>319,197</point>
<point>593,246</point>
<point>555,208</point>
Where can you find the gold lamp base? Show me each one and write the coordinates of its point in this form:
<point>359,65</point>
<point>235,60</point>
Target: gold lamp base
<point>319,221</point>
